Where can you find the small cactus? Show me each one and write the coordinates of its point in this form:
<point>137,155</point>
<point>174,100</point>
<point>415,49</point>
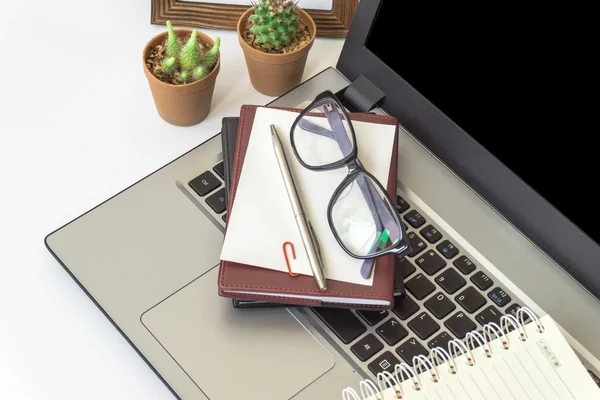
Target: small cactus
<point>199,72</point>
<point>173,45</point>
<point>211,56</point>
<point>185,61</point>
<point>274,23</point>
<point>169,65</point>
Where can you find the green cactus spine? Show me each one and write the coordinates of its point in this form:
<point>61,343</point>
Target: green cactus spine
<point>173,46</point>
<point>184,77</point>
<point>169,65</point>
<point>211,56</point>
<point>274,23</point>
<point>190,55</point>
<point>199,73</point>
<point>187,63</point>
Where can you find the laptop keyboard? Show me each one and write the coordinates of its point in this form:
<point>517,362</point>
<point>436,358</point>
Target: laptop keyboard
<point>211,189</point>
<point>448,295</point>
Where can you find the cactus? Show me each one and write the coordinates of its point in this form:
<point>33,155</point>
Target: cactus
<point>186,62</point>
<point>190,55</point>
<point>199,72</point>
<point>169,65</point>
<point>173,45</point>
<point>274,23</point>
<point>211,56</point>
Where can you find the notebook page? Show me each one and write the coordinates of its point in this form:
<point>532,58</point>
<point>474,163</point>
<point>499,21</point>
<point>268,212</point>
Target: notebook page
<point>262,218</point>
<point>542,368</point>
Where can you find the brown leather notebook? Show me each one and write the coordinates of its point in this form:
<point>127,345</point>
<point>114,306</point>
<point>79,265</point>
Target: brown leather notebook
<point>274,286</point>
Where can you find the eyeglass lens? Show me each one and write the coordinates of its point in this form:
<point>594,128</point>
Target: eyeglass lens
<point>363,218</point>
<point>322,136</point>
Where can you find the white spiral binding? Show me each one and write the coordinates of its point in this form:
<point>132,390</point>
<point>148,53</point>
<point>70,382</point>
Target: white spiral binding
<point>439,356</point>
<point>437,353</point>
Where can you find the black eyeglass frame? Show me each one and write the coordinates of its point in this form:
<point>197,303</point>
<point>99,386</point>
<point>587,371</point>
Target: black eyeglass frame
<point>355,169</point>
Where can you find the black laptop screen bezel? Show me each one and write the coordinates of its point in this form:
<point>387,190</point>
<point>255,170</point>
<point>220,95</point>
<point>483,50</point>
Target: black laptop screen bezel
<point>561,239</point>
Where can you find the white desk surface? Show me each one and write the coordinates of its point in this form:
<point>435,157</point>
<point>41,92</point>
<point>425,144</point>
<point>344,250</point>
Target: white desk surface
<point>78,124</point>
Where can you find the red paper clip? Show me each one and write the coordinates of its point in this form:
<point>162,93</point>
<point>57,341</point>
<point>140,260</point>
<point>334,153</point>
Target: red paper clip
<point>287,261</point>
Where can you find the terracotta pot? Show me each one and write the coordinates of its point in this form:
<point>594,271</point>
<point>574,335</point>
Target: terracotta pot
<point>182,105</point>
<point>275,74</point>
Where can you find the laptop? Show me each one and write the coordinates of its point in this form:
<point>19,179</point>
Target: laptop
<point>491,232</point>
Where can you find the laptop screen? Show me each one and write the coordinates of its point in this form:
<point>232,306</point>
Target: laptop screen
<point>490,81</point>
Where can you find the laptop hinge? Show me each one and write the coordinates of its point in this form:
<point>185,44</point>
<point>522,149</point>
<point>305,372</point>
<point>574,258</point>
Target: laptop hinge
<point>363,95</point>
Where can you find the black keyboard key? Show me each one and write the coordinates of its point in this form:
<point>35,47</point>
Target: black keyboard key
<point>391,331</point>
<point>489,314</point>
<point>342,322</point>
<point>459,325</point>
<point>204,183</point>
<point>411,348</point>
<point>482,281</point>
<point>220,169</point>
<point>224,217</point>
<point>512,310</point>
<point>470,299</point>
<point>216,201</point>
<point>423,325</point>
<point>401,205</point>
<point>417,245</point>
<point>440,305</point>
<point>447,249</point>
<point>404,307</point>
<point>441,340</point>
<point>431,234</point>
<point>450,280</point>
<point>499,296</point>
<point>420,286</point>
<point>372,317</point>
<point>385,362</point>
<point>414,218</point>
<point>464,265</point>
<point>404,267</point>
<point>366,347</point>
<point>430,262</point>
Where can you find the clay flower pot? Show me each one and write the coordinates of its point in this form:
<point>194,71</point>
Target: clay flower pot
<point>187,104</point>
<point>275,74</point>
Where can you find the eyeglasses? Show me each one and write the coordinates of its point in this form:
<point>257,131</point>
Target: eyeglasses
<point>361,215</point>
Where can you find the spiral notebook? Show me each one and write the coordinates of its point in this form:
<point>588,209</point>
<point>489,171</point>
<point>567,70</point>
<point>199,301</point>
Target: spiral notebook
<point>513,360</point>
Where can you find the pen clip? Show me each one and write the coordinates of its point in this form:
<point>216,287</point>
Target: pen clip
<point>285,255</point>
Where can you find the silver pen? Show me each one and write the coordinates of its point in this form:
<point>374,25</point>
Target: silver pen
<point>309,239</point>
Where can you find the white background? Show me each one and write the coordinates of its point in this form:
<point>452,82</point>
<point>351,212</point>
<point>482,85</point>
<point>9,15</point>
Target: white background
<point>77,124</point>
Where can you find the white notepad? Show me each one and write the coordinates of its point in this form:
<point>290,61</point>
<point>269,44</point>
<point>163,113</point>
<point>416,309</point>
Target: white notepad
<point>262,219</point>
<point>543,367</point>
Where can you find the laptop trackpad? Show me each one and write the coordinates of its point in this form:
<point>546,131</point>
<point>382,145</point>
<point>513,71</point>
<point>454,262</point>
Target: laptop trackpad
<point>229,353</point>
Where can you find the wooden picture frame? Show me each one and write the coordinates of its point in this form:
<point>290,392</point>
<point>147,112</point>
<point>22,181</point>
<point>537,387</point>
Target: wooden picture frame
<point>330,23</point>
